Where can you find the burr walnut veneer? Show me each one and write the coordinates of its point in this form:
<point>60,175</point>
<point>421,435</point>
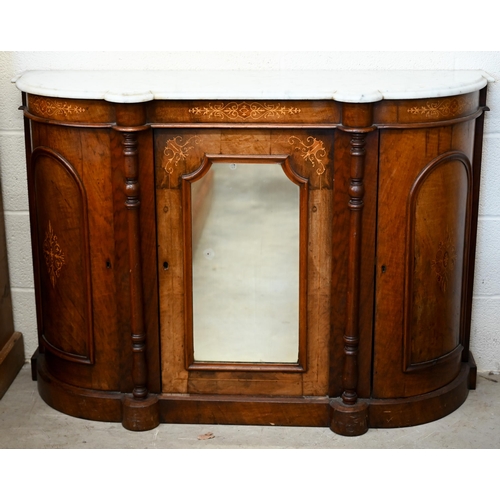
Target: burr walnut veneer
<point>120,186</point>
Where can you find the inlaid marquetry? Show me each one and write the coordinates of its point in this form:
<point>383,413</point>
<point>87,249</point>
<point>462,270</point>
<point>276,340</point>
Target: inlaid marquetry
<point>438,109</point>
<point>54,108</point>
<point>313,151</point>
<point>419,112</point>
<point>245,111</point>
<point>242,114</point>
<point>54,256</point>
<point>444,263</point>
<point>176,150</point>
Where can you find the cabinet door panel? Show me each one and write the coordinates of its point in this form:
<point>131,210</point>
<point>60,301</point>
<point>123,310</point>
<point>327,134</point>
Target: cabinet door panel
<point>62,221</point>
<point>438,209</point>
<point>184,158</point>
<point>424,210</point>
<point>77,264</point>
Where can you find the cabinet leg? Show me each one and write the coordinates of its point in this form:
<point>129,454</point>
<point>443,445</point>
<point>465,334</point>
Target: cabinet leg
<point>348,420</point>
<point>140,414</point>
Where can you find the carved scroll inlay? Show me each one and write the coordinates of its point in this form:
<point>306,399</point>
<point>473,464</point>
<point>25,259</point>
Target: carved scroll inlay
<point>438,109</point>
<point>175,151</point>
<point>50,108</point>
<point>445,261</point>
<point>54,256</point>
<point>245,111</point>
<point>313,152</point>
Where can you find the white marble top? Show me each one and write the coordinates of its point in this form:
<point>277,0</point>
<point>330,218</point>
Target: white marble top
<point>344,86</point>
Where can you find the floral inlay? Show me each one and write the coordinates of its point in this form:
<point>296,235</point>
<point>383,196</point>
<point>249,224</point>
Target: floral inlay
<point>437,109</point>
<point>54,256</point>
<point>175,151</point>
<point>245,111</point>
<point>53,108</point>
<point>313,151</point>
<point>445,261</point>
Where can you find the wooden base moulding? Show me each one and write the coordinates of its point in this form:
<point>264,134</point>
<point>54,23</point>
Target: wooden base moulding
<point>240,410</point>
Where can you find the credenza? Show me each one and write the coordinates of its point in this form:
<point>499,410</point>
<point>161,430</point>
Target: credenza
<point>252,247</point>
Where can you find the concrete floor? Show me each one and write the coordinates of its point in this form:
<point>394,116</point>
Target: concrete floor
<point>26,422</point>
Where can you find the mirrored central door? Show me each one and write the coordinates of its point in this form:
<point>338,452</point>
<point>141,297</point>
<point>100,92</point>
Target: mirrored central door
<point>245,229</point>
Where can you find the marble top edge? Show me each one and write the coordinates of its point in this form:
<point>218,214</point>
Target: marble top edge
<point>360,86</point>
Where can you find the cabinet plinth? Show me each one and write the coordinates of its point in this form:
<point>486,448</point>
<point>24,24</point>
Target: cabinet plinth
<point>386,202</point>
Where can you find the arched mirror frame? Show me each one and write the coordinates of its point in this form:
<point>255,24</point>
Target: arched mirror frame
<point>303,184</point>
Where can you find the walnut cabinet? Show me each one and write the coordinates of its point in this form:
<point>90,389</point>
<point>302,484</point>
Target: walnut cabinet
<point>376,296</point>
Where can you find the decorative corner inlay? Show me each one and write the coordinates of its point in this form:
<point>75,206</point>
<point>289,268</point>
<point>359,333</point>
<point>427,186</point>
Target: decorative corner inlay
<point>445,261</point>
<point>438,109</point>
<point>245,111</point>
<point>176,151</point>
<point>313,151</point>
<point>52,108</point>
<point>54,256</point>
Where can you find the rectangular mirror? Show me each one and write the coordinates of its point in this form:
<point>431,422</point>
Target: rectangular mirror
<point>245,264</point>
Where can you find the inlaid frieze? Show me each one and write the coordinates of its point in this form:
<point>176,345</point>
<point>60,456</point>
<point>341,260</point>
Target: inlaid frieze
<point>439,108</point>
<point>54,108</point>
<point>394,113</point>
<point>245,111</point>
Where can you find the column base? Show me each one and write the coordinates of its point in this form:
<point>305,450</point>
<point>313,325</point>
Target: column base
<point>348,420</point>
<point>140,414</point>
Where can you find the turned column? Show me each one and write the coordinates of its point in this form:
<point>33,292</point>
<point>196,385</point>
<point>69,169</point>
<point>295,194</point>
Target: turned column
<point>138,335</point>
<point>140,409</point>
<point>349,415</point>
<point>351,336</point>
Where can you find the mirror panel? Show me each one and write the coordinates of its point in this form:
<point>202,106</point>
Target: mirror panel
<point>245,264</point>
